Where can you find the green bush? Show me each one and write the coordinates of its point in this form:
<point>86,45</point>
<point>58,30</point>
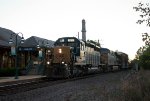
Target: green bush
<point>7,72</point>
<point>144,59</point>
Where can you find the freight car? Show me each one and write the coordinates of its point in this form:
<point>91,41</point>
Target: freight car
<point>74,57</point>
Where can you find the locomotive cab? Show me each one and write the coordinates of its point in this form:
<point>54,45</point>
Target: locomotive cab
<point>61,63</point>
<point>65,54</point>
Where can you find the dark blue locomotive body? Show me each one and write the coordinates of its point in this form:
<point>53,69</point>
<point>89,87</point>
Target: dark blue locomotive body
<point>73,42</point>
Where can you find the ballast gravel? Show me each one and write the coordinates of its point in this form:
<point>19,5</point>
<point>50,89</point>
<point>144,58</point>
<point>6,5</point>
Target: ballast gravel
<point>98,88</point>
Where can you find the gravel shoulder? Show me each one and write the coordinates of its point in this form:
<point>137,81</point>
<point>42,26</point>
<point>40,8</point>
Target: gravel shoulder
<point>98,88</point>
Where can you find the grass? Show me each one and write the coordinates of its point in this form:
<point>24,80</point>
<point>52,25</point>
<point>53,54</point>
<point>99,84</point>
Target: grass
<point>136,87</point>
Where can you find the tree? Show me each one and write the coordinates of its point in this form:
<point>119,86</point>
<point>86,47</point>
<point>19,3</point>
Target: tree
<point>144,13</point>
<point>145,59</point>
<point>143,53</point>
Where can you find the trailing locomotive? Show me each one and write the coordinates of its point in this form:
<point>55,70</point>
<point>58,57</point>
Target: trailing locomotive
<point>111,60</point>
<point>74,57</point>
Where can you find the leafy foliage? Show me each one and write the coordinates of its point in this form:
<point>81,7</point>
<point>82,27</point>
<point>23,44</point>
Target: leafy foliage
<point>146,40</point>
<point>144,9</point>
<point>143,53</point>
<point>94,42</point>
<point>145,59</point>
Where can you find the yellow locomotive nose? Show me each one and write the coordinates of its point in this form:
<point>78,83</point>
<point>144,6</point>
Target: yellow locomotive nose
<point>62,55</point>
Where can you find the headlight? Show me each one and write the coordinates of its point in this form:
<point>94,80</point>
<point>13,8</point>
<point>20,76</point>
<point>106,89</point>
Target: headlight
<point>60,50</point>
<point>62,62</point>
<point>48,62</point>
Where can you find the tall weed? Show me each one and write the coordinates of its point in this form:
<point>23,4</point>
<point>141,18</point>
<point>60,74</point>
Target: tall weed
<point>137,87</point>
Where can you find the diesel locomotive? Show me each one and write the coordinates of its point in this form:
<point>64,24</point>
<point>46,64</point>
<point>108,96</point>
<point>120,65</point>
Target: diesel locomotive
<point>111,60</point>
<point>74,57</point>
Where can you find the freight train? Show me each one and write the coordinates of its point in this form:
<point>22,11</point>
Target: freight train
<point>72,57</point>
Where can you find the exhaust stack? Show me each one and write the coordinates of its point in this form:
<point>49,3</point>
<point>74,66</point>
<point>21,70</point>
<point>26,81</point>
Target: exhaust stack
<point>83,31</point>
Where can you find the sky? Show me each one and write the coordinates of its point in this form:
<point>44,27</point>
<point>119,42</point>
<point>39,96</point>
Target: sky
<point>113,22</point>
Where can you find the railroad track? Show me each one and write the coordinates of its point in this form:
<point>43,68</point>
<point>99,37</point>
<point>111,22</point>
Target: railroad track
<point>27,86</point>
<point>20,87</point>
